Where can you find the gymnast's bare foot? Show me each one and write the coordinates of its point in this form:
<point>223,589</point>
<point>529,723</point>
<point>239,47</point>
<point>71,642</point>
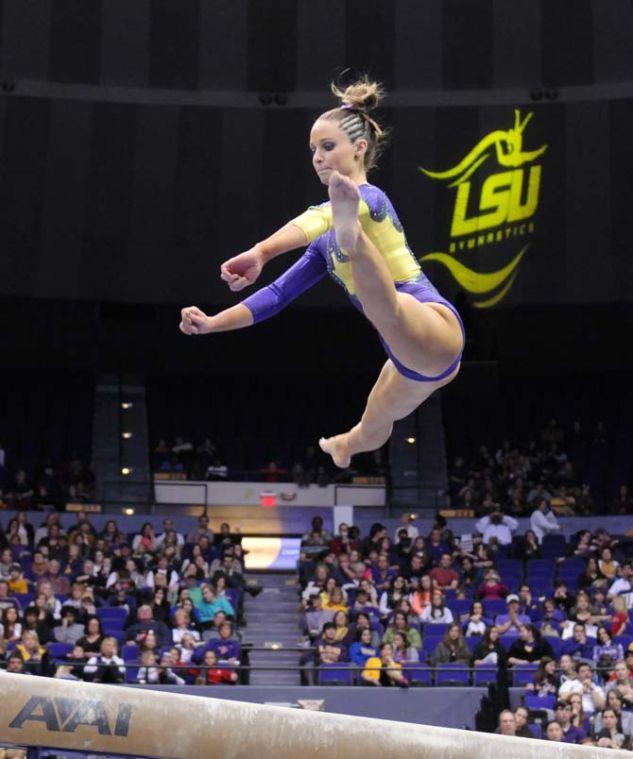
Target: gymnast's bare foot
<point>338,448</point>
<point>344,197</point>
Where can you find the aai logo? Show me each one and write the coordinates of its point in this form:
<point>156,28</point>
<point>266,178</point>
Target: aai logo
<point>492,208</point>
<point>67,714</point>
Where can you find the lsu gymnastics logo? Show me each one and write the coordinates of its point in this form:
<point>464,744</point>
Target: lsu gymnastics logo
<point>492,212</point>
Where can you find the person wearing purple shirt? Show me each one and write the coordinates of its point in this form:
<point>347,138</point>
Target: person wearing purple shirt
<point>571,733</point>
<point>580,646</point>
<point>359,241</point>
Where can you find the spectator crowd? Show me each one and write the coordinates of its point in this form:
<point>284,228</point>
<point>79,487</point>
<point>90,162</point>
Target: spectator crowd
<point>108,606</point>
<point>531,611</point>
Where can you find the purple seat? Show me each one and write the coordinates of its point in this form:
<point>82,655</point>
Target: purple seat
<point>539,702</point>
<point>110,613</point>
<point>524,673</point>
<point>493,607</point>
<point>452,674</point>
<point>472,641</point>
<point>484,674</point>
<point>129,652</point>
<point>418,674</point>
<point>59,651</point>
<point>335,674</point>
<point>535,729</point>
<point>428,647</point>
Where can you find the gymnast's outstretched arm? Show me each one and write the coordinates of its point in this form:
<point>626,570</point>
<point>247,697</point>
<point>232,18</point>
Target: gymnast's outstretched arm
<point>263,304</point>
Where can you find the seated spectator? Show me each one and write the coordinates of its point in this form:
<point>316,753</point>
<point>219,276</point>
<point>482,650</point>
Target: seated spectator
<point>226,647</point>
<point>606,653</point>
<point>363,622</point>
<point>181,625</point>
<point>591,578</point>
<point>212,674</point>
<point>476,623</point>
<point>492,588</point>
<point>521,715</point>
<point>69,630</point>
<point>543,521</point>
<point>507,723</point>
<point>621,681</point>
<point>317,584</point>
<point>383,670</point>
<point>489,650</point>
<point>578,716</point>
<point>51,604</point>
<point>316,616</point>
<point>145,538</point>
<point>76,659</point>
<point>420,596</point>
<point>571,733</point>
<point>511,621</point>
<point>343,632</point>
<point>34,655</point>
<point>580,646</point>
<point>334,601</point>
<point>496,528</point>
<point>106,667</point>
<point>608,736</point>
<point>403,651</point>
<point>187,649</point>
<point>39,622</point>
<point>365,603</point>
<point>317,536</point>
<point>382,575</point>
<point>401,624</point>
<point>607,565</point>
<point>436,612</point>
<point>145,623</point>
<point>17,583</point>
<point>530,647</point>
<point>362,649</point>
<point>201,530</point>
<point>624,717</point>
<point>207,603</point>
<point>452,648</point>
<point>392,595</point>
<point>470,575</point>
<point>166,674</point>
<point>622,587</point>
<point>553,731</point>
<point>620,618</point>
<point>545,681</point>
<point>444,575</point>
<point>329,650</point>
<point>593,697</point>
<point>15,664</point>
<point>10,627</point>
<point>528,548</point>
<point>551,618</point>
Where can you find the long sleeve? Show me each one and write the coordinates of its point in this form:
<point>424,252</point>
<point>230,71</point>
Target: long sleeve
<point>301,276</point>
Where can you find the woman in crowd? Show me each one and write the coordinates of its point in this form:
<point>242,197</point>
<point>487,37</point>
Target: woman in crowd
<point>578,716</point>
<point>492,588</point>
<point>546,681</point>
<point>400,624</point>
<point>391,597</point>
<point>591,577</point>
<point>489,650</point>
<point>436,613</point>
<point>470,575</point>
<point>383,670</point>
<point>624,722</point>
<point>198,560</point>
<point>161,607</point>
<point>529,547</point>
<point>606,653</point>
<point>34,655</point>
<point>620,618</point>
<point>475,622</point>
<point>529,648</point>
<point>146,538</point>
<point>92,640</point>
<point>403,651</point>
<point>607,564</point>
<point>362,648</point>
<point>343,632</point>
<point>420,596</point>
<point>452,648</point>
<point>10,628</point>
<point>621,681</point>
<point>609,736</point>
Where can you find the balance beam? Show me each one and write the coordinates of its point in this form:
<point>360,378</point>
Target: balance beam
<point>46,712</point>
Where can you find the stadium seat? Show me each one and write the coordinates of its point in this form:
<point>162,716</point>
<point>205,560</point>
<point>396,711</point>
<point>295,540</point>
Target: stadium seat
<point>418,674</point>
<point>452,674</point>
<point>335,674</point>
<point>555,643</point>
<point>494,607</point>
<point>435,631</point>
<point>533,701</point>
<point>428,647</point>
<point>485,674</point>
<point>535,729</point>
<point>129,652</point>
<point>59,651</point>
<point>523,674</point>
<point>110,613</point>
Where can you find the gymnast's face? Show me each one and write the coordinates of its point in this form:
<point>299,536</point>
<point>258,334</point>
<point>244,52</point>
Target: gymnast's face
<point>332,150</point>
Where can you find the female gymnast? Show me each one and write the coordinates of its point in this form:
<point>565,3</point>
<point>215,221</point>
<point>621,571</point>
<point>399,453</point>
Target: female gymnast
<point>357,238</point>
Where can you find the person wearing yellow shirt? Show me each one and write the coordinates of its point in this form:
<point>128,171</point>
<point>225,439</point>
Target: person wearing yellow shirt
<point>383,670</point>
<point>17,582</point>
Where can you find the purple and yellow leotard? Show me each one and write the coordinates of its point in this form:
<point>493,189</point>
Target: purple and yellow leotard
<point>381,224</point>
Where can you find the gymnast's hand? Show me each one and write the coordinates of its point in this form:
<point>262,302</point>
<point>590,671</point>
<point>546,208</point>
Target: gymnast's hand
<point>242,270</point>
<point>194,321</point>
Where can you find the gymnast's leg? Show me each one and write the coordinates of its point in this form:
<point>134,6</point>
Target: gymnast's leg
<point>393,397</point>
<point>425,337</point>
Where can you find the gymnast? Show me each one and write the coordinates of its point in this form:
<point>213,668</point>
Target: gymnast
<point>358,239</point>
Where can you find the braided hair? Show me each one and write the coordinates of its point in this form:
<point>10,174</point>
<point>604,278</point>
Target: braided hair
<point>352,116</point>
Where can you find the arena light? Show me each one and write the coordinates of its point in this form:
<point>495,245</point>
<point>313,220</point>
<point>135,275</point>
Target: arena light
<point>128,511</point>
<point>126,471</point>
<point>126,435</point>
<point>126,405</point>
<point>410,440</point>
